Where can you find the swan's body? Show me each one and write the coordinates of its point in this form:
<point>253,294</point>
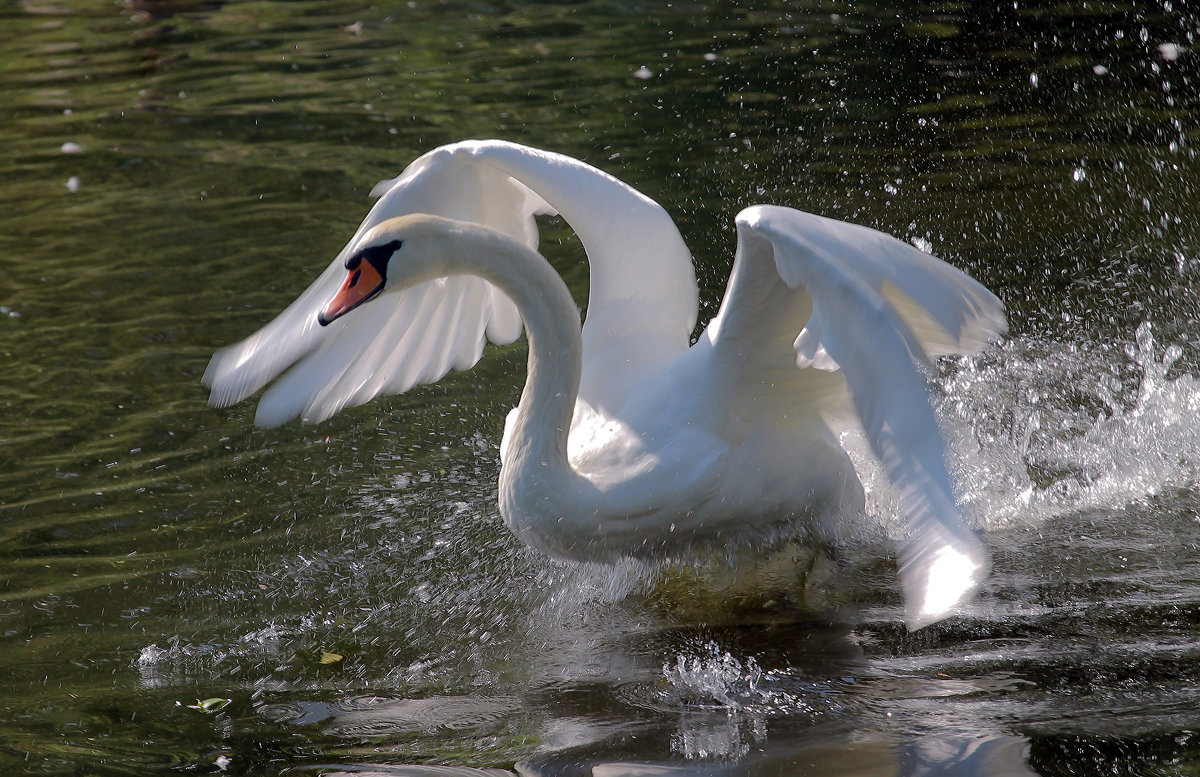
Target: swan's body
<point>626,441</point>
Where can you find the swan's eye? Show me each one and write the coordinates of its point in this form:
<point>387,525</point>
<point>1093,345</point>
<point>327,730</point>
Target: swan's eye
<point>376,256</point>
<point>379,256</point>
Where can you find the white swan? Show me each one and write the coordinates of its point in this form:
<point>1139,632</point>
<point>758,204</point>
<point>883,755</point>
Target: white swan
<point>626,441</point>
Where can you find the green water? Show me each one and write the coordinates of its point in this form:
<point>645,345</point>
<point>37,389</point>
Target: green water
<point>155,552</point>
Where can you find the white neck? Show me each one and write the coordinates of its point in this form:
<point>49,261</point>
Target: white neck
<point>537,441</point>
<point>538,437</point>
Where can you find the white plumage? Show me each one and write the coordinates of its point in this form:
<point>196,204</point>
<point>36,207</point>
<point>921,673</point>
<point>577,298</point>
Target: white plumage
<point>626,440</point>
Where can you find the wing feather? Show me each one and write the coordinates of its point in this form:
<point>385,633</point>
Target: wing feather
<point>635,250</point>
<point>428,330</point>
<point>875,340</point>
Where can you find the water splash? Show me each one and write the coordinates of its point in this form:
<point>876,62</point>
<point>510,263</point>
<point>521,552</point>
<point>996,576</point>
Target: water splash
<point>1046,429</point>
<point>182,658</point>
<point>1037,429</point>
<point>712,678</point>
<point>717,694</point>
<point>725,702</point>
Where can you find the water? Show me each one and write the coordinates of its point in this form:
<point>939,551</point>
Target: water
<point>174,173</point>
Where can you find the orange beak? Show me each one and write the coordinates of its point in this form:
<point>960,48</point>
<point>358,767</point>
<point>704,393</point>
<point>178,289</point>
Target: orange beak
<point>362,283</point>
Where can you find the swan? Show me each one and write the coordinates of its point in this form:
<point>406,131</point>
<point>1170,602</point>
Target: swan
<point>628,440</point>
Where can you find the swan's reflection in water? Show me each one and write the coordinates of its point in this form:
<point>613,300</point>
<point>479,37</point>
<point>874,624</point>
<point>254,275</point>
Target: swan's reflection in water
<point>999,756</point>
<point>814,708</point>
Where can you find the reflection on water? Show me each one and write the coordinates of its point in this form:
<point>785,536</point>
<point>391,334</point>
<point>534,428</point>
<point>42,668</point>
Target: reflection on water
<point>175,172</point>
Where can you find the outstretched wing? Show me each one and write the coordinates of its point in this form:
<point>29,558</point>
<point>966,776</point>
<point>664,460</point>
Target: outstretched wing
<point>878,306</point>
<point>445,324</point>
<point>642,283</point>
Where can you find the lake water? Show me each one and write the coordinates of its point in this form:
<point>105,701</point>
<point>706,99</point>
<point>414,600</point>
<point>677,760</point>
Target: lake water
<point>173,173</point>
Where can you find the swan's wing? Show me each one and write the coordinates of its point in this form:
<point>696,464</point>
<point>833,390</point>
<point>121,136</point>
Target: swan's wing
<point>643,298</point>
<point>878,305</point>
<point>356,355</point>
<point>438,326</point>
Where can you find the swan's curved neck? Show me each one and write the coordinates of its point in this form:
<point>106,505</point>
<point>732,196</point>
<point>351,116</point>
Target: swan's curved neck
<point>539,434</point>
<point>538,438</point>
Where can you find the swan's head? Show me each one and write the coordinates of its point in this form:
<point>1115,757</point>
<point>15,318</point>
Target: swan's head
<point>394,254</point>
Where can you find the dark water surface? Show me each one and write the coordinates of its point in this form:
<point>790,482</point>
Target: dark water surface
<point>173,173</point>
